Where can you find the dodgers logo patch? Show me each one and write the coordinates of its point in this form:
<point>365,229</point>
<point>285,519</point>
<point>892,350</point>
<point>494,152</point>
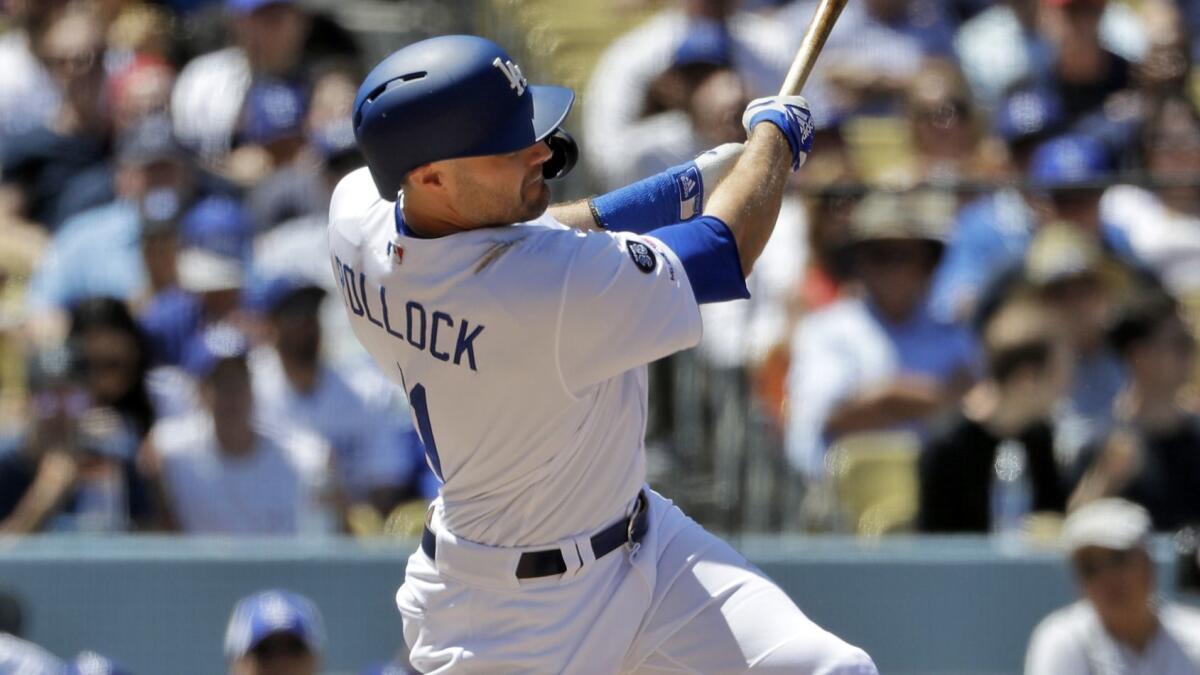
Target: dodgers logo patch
<point>690,192</point>
<point>642,256</point>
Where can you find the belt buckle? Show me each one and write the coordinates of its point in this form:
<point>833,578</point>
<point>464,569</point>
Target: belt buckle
<point>631,545</point>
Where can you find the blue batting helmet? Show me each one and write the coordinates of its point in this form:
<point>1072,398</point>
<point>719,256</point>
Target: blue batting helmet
<point>448,97</point>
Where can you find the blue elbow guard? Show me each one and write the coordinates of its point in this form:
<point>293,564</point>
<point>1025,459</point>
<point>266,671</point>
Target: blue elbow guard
<point>672,196</point>
<point>709,254</point>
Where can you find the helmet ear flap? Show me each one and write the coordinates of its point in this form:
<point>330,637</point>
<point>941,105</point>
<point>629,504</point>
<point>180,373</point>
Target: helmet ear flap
<point>566,154</point>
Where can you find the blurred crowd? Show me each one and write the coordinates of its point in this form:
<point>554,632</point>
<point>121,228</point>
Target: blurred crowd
<point>978,307</point>
<point>167,360</point>
<point>977,312</point>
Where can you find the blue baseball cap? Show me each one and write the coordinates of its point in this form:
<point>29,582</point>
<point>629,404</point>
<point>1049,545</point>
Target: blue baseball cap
<point>259,616</point>
<point>1067,162</point>
<point>274,110</point>
<point>91,663</point>
<point>244,7</point>
<point>707,43</point>
<point>1027,114</point>
<point>268,295</point>
<point>170,320</point>
<point>219,225</point>
<point>216,344</point>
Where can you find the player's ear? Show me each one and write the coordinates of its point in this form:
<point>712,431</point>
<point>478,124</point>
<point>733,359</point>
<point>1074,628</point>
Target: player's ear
<point>432,175</point>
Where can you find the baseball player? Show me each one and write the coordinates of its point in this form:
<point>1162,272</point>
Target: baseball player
<point>521,335</point>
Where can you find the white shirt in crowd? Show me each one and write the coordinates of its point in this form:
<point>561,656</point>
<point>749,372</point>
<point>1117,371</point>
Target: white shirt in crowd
<point>278,489</point>
<point>1072,641</point>
<point>1167,241</point>
<point>523,350</point>
<point>364,432</point>
<point>988,46</point>
<point>208,98</point>
<point>20,657</point>
<point>616,93</point>
<point>28,95</point>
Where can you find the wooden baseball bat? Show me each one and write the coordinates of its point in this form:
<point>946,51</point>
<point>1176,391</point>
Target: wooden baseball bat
<point>814,39</point>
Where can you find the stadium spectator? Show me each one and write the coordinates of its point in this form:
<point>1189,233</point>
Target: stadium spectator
<point>98,252</point>
<point>1162,219</point>
<point>851,79</point>
<point>211,253</point>
<point>1007,416</point>
<point>704,98</point>
<point>216,472</point>
<point>270,133</point>
<point>295,387</point>
<point>1067,176</point>
<point>113,357</point>
<point>141,89</point>
<point>73,468</point>
<point>275,632</point>
<point>1119,625</point>
<point>947,130</point>
<point>215,250</point>
<point>1150,458</point>
<point>1002,46</point>
<point>16,655</point>
<point>302,188</point>
<point>1082,286</point>
<point>58,168</point>
<point>1079,66</point>
<point>621,89</point>
<point>878,360</point>
<point>992,232</point>
<point>210,94</point>
<point>28,95</point>
<point>26,658</point>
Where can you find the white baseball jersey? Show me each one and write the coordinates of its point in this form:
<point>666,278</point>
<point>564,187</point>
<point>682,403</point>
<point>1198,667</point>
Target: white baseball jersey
<point>522,350</point>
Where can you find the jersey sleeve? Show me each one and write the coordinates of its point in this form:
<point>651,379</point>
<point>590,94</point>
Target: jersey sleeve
<point>626,301</point>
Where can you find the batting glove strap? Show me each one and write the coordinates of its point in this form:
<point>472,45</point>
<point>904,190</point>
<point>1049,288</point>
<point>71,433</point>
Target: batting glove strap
<point>791,115</point>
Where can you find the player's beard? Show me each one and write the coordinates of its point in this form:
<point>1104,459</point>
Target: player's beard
<point>535,198</point>
<point>528,202</point>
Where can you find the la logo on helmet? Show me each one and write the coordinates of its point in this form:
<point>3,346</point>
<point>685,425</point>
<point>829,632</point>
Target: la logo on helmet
<point>513,72</point>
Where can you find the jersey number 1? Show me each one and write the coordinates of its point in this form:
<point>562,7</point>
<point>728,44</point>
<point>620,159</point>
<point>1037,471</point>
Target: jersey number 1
<point>420,408</point>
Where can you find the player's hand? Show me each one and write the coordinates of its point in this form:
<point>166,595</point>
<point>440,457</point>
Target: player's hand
<point>791,115</point>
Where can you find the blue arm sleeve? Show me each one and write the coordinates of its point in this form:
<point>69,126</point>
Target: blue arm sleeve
<point>662,199</point>
<point>709,254</point>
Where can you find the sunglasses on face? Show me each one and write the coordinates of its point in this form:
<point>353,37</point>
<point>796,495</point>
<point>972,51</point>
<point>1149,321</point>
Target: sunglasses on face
<point>1090,566</point>
<point>81,62</point>
<point>106,365</point>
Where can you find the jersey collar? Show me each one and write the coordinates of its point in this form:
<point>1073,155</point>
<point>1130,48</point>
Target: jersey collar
<point>401,228</point>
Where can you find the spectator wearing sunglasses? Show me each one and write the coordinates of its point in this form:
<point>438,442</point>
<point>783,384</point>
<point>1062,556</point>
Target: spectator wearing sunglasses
<point>1119,625</point>
<point>275,632</point>
<point>1150,457</point>
<point>877,360</point>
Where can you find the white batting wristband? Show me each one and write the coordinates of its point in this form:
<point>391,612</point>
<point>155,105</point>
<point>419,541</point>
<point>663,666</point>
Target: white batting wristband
<point>715,164</point>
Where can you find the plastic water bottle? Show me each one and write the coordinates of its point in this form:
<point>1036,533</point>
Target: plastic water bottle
<point>101,501</point>
<point>1012,495</point>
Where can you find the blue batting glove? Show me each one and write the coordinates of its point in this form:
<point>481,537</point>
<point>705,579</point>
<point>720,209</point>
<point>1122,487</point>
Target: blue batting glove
<point>791,115</point>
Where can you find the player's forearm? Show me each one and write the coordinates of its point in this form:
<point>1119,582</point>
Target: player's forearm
<point>576,215</point>
<point>749,198</point>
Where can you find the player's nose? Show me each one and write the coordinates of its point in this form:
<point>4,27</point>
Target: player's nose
<point>538,153</point>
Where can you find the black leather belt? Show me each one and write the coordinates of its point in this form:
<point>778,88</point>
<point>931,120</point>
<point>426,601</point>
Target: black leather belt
<point>534,564</point>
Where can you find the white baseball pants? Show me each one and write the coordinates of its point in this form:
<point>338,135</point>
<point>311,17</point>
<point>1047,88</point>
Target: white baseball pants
<point>683,602</point>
